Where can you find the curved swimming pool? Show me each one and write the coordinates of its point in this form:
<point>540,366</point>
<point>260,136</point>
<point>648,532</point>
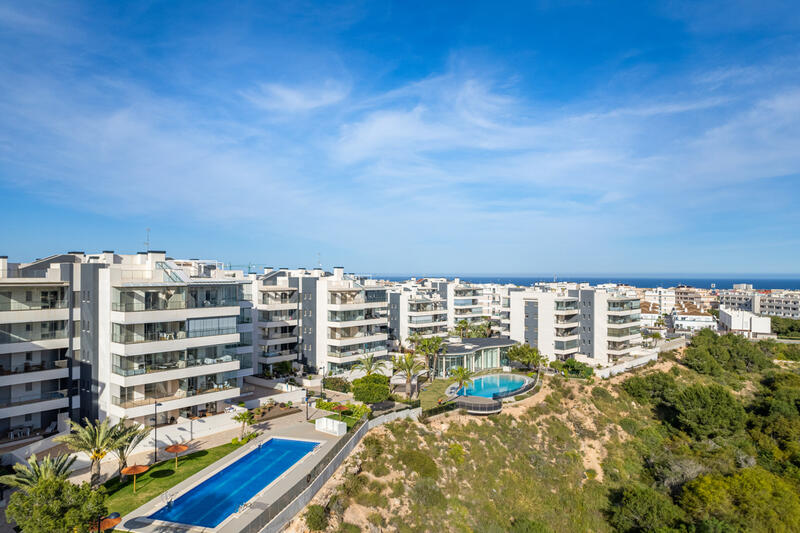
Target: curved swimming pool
<point>488,386</point>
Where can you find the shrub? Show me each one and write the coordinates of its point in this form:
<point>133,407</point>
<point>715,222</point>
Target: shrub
<point>418,462</point>
<point>376,519</point>
<point>316,518</point>
<point>370,392</point>
<point>373,446</point>
<point>526,525</point>
<point>657,386</point>
<point>641,508</point>
<point>347,527</point>
<point>337,384</point>
<point>427,493</point>
<point>378,379</point>
<point>708,411</point>
<point>456,453</point>
<point>575,368</point>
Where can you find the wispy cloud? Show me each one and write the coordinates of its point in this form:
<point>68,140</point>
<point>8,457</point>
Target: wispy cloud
<point>285,99</point>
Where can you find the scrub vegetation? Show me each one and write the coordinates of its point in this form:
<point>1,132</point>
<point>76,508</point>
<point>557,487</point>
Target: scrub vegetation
<point>707,440</point>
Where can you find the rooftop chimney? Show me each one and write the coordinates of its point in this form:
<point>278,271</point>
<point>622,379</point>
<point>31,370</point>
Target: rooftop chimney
<point>3,266</point>
<point>338,272</point>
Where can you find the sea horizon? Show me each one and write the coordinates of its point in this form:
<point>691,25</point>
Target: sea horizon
<point>759,282</point>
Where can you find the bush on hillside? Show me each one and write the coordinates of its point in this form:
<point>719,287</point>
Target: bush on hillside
<point>708,411</point>
<point>650,388</point>
<point>642,508</point>
<point>316,518</point>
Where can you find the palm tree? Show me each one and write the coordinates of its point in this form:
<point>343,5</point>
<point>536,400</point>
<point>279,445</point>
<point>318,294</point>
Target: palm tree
<point>246,418</point>
<point>408,365</point>
<point>129,438</point>
<point>28,475</point>
<point>369,364</point>
<point>95,440</point>
<point>462,328</point>
<point>461,375</point>
<point>431,348</point>
<point>525,354</point>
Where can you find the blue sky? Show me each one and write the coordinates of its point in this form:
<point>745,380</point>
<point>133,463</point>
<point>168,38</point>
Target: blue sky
<point>498,138</point>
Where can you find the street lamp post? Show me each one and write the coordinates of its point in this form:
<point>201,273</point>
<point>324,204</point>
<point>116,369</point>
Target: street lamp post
<point>155,431</point>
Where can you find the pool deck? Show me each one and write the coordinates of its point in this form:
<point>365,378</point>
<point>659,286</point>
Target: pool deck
<point>137,521</point>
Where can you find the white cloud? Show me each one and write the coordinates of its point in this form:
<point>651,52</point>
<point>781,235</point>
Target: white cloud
<point>284,99</point>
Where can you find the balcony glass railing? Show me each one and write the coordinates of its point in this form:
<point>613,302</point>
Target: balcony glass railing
<point>426,319</point>
<point>624,305</point>
<point>35,397</point>
<point>623,332</point>
<point>567,306</point>
<point>6,369</point>
<point>177,395</point>
<point>624,319</point>
<point>14,305</point>
<point>33,332</point>
<point>137,368</point>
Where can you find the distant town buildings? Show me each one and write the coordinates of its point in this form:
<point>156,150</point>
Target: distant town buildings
<point>744,323</point>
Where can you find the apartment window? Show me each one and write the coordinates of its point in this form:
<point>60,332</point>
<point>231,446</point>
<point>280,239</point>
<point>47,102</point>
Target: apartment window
<point>28,387</point>
<point>28,356</point>
<point>28,296</point>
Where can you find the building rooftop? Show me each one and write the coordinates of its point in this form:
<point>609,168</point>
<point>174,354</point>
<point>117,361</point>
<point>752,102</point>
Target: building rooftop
<point>470,345</point>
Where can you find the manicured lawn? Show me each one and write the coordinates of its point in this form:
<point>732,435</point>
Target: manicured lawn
<point>430,396</point>
<point>160,478</point>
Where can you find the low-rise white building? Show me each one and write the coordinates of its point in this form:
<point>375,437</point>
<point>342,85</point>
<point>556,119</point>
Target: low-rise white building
<point>745,323</point>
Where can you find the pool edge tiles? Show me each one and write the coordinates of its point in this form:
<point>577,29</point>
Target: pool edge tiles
<point>469,390</point>
<point>210,502</point>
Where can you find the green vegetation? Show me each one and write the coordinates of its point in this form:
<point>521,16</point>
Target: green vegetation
<point>316,518</point>
<point>370,365</point>
<point>407,365</point>
<point>574,368</point>
<point>429,398</point>
<point>54,505</point>
<point>336,384</point>
<point>525,355</point>
<point>461,375</point>
<point>28,475</point>
<point>159,478</point>
<point>712,445</point>
<point>786,328</point>
<point>96,439</point>
<point>372,388</point>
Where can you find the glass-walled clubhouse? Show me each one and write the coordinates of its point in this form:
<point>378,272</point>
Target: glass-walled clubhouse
<point>474,355</point>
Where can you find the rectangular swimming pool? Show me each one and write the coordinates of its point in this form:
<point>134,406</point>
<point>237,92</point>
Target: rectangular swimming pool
<point>212,501</point>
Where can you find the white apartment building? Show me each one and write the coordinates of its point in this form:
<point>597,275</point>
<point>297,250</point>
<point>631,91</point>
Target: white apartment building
<point>496,301</point>
<point>691,319</point>
<point>744,323</point>
<point>153,336</point>
<point>596,325</point>
<point>343,318</point>
<point>277,318</point>
<point>416,308</point>
<point>703,299</point>
<point>38,340</point>
<point>779,303</point>
<point>463,301</point>
<point>663,298</point>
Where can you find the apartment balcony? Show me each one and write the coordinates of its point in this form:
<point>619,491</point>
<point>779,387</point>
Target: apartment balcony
<point>178,400</point>
<point>426,309</point>
<point>15,312</point>
<point>17,340</point>
<point>26,404</point>
<point>358,338</point>
<point>355,355</point>
<point>143,373</point>
<point>31,373</point>
<point>167,341</point>
<point>567,323</point>
<point>276,321</point>
<point>356,305</point>
<point>427,320</point>
<point>278,356</point>
<point>440,331</point>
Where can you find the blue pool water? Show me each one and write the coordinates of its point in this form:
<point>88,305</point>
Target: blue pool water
<point>487,386</point>
<point>216,498</point>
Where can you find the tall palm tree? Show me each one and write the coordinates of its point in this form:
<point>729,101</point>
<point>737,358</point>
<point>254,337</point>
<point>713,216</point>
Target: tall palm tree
<point>462,328</point>
<point>369,364</point>
<point>407,365</point>
<point>246,418</point>
<point>431,348</point>
<point>461,375</point>
<point>27,475</point>
<point>526,354</point>
<point>129,438</point>
<point>95,439</point>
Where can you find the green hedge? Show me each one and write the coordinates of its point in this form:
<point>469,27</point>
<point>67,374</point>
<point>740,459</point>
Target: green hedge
<point>337,384</point>
<point>370,392</point>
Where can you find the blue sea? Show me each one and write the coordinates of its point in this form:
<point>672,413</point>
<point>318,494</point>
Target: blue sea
<point>666,281</point>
